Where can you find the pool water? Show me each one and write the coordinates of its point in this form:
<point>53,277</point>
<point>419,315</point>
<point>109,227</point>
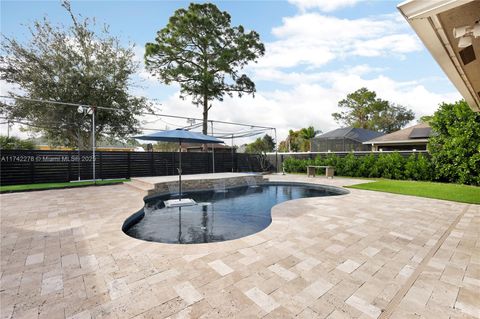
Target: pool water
<point>218,215</point>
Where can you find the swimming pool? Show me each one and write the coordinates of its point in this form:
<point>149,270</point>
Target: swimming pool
<point>219,215</point>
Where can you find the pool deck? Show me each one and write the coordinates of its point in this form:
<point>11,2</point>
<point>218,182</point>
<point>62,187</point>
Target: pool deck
<point>361,255</point>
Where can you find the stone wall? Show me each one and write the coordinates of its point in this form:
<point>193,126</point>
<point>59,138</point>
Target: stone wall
<point>204,184</point>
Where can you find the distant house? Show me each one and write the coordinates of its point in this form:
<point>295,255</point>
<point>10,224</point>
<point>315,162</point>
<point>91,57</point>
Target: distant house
<point>343,140</point>
<point>410,138</point>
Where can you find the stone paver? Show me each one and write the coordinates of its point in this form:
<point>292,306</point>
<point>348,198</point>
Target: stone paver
<point>348,266</point>
<point>34,259</point>
<point>188,293</point>
<point>362,255</point>
<point>220,267</point>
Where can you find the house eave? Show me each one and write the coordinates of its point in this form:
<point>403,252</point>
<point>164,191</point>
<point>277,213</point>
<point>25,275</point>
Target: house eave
<point>423,18</point>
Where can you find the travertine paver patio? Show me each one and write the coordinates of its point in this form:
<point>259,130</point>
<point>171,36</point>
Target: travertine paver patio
<point>365,254</point>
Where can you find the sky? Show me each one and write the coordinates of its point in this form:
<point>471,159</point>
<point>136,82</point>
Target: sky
<point>317,51</point>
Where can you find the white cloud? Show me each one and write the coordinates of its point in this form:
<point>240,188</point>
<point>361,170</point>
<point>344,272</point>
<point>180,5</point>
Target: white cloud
<point>395,43</point>
<point>287,78</point>
<point>6,87</point>
<point>323,5</point>
<point>313,40</point>
<point>142,73</point>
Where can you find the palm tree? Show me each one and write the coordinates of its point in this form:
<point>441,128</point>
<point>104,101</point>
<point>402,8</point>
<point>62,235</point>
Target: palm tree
<point>307,134</point>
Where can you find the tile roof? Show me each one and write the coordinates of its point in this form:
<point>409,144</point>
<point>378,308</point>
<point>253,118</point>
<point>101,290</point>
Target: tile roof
<point>357,134</point>
<point>405,134</point>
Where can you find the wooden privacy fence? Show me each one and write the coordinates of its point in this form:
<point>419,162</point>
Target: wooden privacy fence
<point>25,167</point>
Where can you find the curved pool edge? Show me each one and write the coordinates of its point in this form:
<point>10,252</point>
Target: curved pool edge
<point>274,224</point>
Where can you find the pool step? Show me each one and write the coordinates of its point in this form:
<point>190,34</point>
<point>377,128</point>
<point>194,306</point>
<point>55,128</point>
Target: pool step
<point>180,202</point>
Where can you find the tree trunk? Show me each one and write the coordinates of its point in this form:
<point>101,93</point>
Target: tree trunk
<point>205,120</point>
<point>205,114</point>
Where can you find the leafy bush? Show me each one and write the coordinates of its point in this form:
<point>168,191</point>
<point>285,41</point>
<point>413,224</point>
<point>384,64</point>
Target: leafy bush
<point>293,165</point>
<point>319,161</point>
<point>387,165</point>
<point>365,168</point>
<point>334,160</point>
<point>455,145</point>
<point>419,168</point>
<point>14,143</point>
<point>392,165</point>
<point>350,165</point>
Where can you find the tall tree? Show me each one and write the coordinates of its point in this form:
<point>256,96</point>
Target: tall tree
<point>261,145</point>
<point>201,51</point>
<point>426,119</point>
<point>71,64</point>
<point>283,146</point>
<point>307,133</point>
<point>364,110</point>
<point>299,141</point>
<point>293,140</point>
<point>455,144</point>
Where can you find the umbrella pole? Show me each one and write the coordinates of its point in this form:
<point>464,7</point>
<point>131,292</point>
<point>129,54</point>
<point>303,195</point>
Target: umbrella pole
<point>179,225</point>
<point>180,171</point>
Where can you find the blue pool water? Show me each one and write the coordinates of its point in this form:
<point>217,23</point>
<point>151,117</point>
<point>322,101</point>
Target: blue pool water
<point>218,216</point>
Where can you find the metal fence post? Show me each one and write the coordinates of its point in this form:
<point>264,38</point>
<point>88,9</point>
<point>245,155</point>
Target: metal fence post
<point>69,166</point>
<point>101,165</point>
<point>32,168</point>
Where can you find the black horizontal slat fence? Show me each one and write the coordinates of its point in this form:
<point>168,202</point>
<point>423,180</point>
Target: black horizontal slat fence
<point>28,167</point>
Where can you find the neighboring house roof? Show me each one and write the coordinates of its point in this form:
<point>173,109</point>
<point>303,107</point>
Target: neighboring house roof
<point>356,134</point>
<point>417,133</point>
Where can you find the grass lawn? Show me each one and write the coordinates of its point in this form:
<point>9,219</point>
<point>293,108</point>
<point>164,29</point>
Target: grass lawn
<point>453,192</point>
<point>31,187</point>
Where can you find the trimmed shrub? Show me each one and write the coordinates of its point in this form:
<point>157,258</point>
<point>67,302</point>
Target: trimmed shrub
<point>391,165</point>
<point>351,165</point>
<point>419,168</point>
<point>365,168</point>
<point>293,165</point>
<point>334,160</point>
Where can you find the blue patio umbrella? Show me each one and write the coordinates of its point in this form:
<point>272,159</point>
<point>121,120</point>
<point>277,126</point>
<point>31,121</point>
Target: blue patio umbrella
<point>180,136</point>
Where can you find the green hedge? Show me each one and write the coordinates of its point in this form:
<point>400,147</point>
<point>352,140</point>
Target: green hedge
<point>392,166</point>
